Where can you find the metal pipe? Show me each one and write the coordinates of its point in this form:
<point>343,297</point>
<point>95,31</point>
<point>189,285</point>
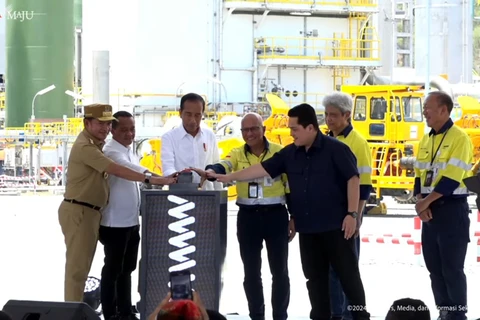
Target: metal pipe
<point>254,73</point>
<point>101,76</point>
<point>407,163</point>
<point>429,21</point>
<point>39,163</point>
<point>64,163</point>
<point>444,5</point>
<point>57,163</point>
<point>436,82</point>
<point>220,42</point>
<point>240,69</point>
<point>445,43</point>
<point>78,59</point>
<point>30,170</point>
<point>465,50</point>
<point>394,40</point>
<point>305,42</point>
<point>216,50</point>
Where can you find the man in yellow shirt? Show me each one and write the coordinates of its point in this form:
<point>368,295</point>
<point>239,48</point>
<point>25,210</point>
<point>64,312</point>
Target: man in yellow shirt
<point>444,159</point>
<point>338,110</point>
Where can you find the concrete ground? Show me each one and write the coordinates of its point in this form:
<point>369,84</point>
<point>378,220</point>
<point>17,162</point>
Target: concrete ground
<point>32,261</point>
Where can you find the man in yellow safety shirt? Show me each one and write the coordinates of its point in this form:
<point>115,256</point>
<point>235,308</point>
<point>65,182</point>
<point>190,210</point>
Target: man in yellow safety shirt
<point>262,216</point>
<point>338,110</point>
<point>444,159</point>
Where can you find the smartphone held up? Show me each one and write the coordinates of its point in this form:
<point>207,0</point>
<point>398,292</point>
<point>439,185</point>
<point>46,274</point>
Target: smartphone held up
<point>181,285</point>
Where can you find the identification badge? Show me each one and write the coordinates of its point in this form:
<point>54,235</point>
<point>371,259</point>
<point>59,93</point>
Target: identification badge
<point>268,182</point>
<point>253,190</point>
<point>428,178</point>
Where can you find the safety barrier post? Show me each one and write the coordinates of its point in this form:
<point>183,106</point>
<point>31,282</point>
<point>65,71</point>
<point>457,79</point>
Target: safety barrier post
<point>417,237</point>
<point>478,250</point>
<point>476,235</point>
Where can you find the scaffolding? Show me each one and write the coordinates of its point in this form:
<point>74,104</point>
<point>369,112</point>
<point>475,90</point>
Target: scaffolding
<point>357,48</point>
<point>338,51</point>
<point>403,33</point>
<point>302,6</point>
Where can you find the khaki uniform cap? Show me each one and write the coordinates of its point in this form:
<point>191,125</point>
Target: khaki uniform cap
<point>101,112</point>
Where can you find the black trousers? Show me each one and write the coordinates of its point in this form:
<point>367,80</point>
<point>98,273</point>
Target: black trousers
<point>121,251</point>
<point>320,250</point>
<point>269,224</point>
<point>445,240</point>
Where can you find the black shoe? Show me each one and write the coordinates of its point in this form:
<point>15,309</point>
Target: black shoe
<point>443,315</point>
<point>135,310</point>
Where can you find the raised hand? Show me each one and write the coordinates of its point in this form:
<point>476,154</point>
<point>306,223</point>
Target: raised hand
<point>204,175</point>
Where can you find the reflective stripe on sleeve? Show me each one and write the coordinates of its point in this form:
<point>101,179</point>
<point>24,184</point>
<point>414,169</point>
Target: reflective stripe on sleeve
<point>458,191</point>
<point>365,169</point>
<point>228,163</point>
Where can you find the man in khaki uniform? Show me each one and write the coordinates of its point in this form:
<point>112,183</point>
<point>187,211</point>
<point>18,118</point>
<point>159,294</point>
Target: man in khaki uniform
<point>86,192</point>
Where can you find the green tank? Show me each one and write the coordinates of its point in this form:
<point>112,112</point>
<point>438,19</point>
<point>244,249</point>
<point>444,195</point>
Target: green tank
<point>39,53</point>
<point>77,13</point>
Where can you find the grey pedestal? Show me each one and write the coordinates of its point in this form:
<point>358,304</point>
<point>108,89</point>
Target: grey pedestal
<point>182,229</point>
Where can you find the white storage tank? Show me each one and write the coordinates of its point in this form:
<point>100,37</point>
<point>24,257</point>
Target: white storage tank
<point>451,37</point>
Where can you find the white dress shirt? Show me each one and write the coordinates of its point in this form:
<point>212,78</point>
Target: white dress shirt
<point>124,202</point>
<point>180,150</point>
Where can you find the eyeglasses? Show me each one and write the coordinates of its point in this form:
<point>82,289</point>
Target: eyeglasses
<point>252,129</point>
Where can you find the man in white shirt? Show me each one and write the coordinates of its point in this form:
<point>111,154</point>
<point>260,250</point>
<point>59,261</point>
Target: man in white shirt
<point>119,228</point>
<point>190,145</point>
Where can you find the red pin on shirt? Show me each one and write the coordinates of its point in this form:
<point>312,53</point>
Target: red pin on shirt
<point>204,147</point>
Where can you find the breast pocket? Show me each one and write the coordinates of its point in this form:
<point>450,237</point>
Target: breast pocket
<point>423,159</point>
<point>295,177</point>
<point>295,171</point>
<point>321,171</point>
<point>242,164</point>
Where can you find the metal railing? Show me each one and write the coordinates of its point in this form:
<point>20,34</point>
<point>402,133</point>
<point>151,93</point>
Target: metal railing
<point>310,48</point>
<point>294,98</point>
<point>339,3</point>
<point>2,98</point>
<point>386,174</point>
<point>70,127</point>
<point>174,98</point>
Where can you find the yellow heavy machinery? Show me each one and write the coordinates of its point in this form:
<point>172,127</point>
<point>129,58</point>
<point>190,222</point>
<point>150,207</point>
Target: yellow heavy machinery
<point>469,120</point>
<point>390,118</point>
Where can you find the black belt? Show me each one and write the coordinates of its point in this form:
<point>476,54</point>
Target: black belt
<point>448,201</point>
<point>88,205</point>
<point>259,207</point>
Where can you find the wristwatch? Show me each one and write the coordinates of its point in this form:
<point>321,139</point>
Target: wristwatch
<point>353,214</point>
<point>148,175</point>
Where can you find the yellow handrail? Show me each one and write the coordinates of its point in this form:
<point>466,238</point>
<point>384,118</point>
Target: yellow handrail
<point>72,127</point>
<point>2,100</point>
<point>352,3</point>
<point>294,98</point>
<point>337,48</point>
